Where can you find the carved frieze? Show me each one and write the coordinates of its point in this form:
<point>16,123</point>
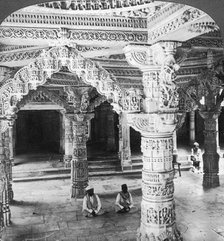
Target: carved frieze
<point>77,21</point>
<point>53,35</point>
<point>93,4</point>
<point>193,20</point>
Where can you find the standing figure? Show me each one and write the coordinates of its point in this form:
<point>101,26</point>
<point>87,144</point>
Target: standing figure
<point>91,203</point>
<point>196,156</point>
<point>124,201</point>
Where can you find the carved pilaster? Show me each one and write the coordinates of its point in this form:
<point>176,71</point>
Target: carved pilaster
<point>210,156</point>
<point>124,143</point>
<point>79,165</point>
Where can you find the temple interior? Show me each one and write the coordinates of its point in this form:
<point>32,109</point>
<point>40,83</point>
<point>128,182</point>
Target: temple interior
<point>103,93</point>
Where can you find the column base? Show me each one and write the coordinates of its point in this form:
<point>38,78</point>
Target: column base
<point>210,180</point>
<point>168,235</point>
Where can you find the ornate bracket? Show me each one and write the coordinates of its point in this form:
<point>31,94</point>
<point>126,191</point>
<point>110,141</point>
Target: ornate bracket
<point>147,124</point>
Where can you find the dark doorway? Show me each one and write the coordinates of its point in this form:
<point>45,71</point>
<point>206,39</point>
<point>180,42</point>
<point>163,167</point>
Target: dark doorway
<point>37,131</point>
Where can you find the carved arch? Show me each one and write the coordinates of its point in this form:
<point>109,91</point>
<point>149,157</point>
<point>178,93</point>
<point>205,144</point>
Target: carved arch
<point>53,97</point>
<point>36,73</point>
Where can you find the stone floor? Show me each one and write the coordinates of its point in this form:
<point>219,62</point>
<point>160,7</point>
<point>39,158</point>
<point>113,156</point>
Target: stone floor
<point>44,211</point>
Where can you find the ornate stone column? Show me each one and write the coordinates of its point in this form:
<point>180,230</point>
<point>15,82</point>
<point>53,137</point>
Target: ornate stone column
<point>210,156</point>
<point>192,127</point>
<point>4,171</point>
<point>156,125</point>
<point>7,144</point>
<point>207,93</point>
<point>68,139</point>
<point>124,143</point>
<point>79,165</point>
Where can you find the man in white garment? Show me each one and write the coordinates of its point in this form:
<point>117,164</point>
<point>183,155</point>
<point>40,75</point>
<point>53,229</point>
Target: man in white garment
<point>91,203</point>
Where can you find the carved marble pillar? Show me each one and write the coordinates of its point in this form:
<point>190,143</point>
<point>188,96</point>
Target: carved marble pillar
<point>192,127</point>
<point>7,144</point>
<point>124,143</point>
<point>210,156</point>
<point>68,139</point>
<point>79,165</point>
<point>156,125</point>
<point>5,212</point>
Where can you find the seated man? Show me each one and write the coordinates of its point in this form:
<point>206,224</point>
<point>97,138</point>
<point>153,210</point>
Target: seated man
<point>91,203</point>
<point>124,200</point>
<point>196,156</point>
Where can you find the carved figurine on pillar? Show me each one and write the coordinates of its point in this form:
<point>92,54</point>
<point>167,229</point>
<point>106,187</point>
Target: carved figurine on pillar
<point>156,125</point>
<point>207,93</point>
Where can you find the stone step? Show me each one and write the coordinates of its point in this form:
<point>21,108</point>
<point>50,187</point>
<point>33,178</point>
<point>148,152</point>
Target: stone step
<point>68,176</point>
<point>62,171</point>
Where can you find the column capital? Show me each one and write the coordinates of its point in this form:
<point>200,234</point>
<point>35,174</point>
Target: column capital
<point>149,57</point>
<point>149,124</point>
<point>210,114</point>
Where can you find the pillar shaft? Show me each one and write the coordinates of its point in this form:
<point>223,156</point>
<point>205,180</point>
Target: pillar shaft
<point>157,207</point>
<point>124,143</point>
<point>68,141</point>
<point>210,156</point>
<point>8,165</point>
<point>4,178</point>
<point>79,165</point>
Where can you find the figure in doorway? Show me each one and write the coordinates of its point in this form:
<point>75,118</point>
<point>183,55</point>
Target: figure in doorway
<point>91,203</point>
<point>124,201</point>
<point>196,157</point>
